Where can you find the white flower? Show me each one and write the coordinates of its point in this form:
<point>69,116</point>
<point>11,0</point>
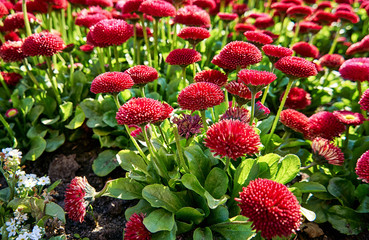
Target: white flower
<point>23,236</point>
<point>28,180</point>
<point>14,154</point>
<point>6,151</point>
<point>42,181</point>
<point>20,173</point>
<point>12,232</point>
<point>36,234</point>
<point>20,217</point>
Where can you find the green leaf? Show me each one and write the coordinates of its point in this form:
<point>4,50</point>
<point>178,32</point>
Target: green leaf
<point>189,214</point>
<point>272,160</point>
<point>319,207</point>
<point>165,235</point>
<point>364,205</point>
<point>54,143</point>
<point>343,190</point>
<point>66,110</point>
<point>38,146</point>
<point>35,113</point>
<point>129,161</point>
<point>245,172</point>
<point>37,131</point>
<point>46,121</point>
<point>109,118</point>
<point>266,125</point>
<point>4,195</point>
<point>202,234</point>
<point>105,163</point>
<point>191,182</point>
<point>77,121</point>
<point>160,196</point>
<point>54,210</point>
<point>54,185</point>
<point>346,220</point>
<point>217,215</point>
<point>362,191</point>
<point>236,228</point>
<point>26,105</point>
<point>141,207</point>
<point>309,187</point>
<point>216,182</point>
<point>159,220</point>
<point>288,168</point>
<point>124,188</point>
<point>199,163</point>
<point>90,107</point>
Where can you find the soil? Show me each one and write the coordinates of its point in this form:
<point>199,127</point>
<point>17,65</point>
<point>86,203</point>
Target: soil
<point>76,158</point>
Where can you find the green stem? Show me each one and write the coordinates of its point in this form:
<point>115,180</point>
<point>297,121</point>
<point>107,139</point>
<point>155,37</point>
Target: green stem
<point>253,97</point>
<point>182,161</point>
<point>184,76</point>
<point>53,80</point>
<point>359,88</point>
<point>334,44</point>
<point>297,30</point>
<point>101,59</point>
<point>116,56</point>
<point>275,122</point>
<point>10,131</point>
<point>224,41</point>
<point>71,71</point>
<point>194,70</point>
<point>347,134</point>
<point>31,76</point>
<point>265,94</point>
<point>146,39</point>
<point>228,161</point>
<point>136,46</point>
<point>62,26</point>
<point>5,86</point>
<point>174,41</point>
<point>226,99</point>
<point>142,88</point>
<point>49,18</point>
<point>26,20</point>
<point>156,59</point>
<point>164,138</point>
<point>203,118</point>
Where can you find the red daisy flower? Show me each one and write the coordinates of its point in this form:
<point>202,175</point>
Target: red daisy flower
<point>331,61</point>
<point>16,21</point>
<point>309,27</point>
<point>362,167</point>
<point>101,3</point>
<point>90,40</point>
<point>272,208</point>
<point>89,20</point>
<point>32,6</point>
<point>239,8</point>
<point>349,17</point>
<point>111,32</point>
<point>11,113</point>
<point>157,8</point>
<point>325,18</point>
<point>167,111</point>
<point>86,48</point>
<point>296,67</point>
<point>139,31</point>
<point>200,96</point>
<point>264,22</point>
<point>142,74</point>
<point>344,7</point>
<point>194,35</point>
<point>232,138</point>
<point>11,79</point>
<point>324,151</point>
<point>140,111</point>
<point>135,229</point>
<point>257,15</point>
<point>275,53</point>
<point>297,98</point>
<point>261,111</point>
<point>238,54</point>
<point>299,12</point>
<point>344,1</point>
<point>324,4</point>
<point>130,6</point>
<point>296,2</point>
<point>270,34</point>
<point>205,4</point>
<point>188,126</point>
<point>228,17</point>
<point>364,101</point>
<point>42,44</point>
<point>12,36</point>
<point>241,90</point>
<point>326,125</point>
<point>258,38</point>
<point>78,196</point>
<point>236,113</point>
<point>212,76</point>
<point>243,27</point>
<point>192,16</point>
<point>305,49</point>
<point>255,78</point>
<point>12,51</point>
<point>295,120</point>
<point>183,57</point>
<point>281,7</point>
<point>355,69</point>
<point>111,82</point>
<point>362,46</point>
<point>3,10</point>
<point>349,118</point>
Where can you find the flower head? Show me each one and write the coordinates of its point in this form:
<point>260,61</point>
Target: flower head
<point>192,15</point>
<point>241,91</point>
<point>86,48</point>
<point>264,22</point>
<point>16,21</point>
<point>12,51</point>
<point>130,6</point>
<point>281,7</point>
<point>355,69</point>
<point>212,76</point>
<point>258,38</point>
<point>364,101</point>
<point>227,17</point>
<point>297,98</point>
<point>296,67</point>
<point>346,16</point>
<point>299,12</point>
<point>188,125</point>
<point>135,229</point>
<point>275,53</point>
<point>3,10</point>
<point>272,208</point>
<point>255,78</point>
<point>324,18</point>
<point>309,27</point>
<point>236,113</point>
<point>111,32</point>
<point>295,120</point>
<point>102,3</point>
<point>305,49</point>
<point>232,138</point>
<point>324,151</point>
<point>78,196</point>
<point>140,111</point>
<point>12,78</point>
<point>11,113</point>
<point>349,118</point>
<point>261,111</point>
<point>237,54</point>
<point>326,125</point>
<point>200,96</point>
<point>362,167</point>
<point>157,8</point>
<point>239,8</point>
<point>142,74</point>
<point>111,82</point>
<point>42,44</point>
<point>359,47</point>
<point>210,4</point>
<point>183,57</point>
<point>331,61</point>
<point>88,20</point>
<point>243,27</point>
<point>194,35</point>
